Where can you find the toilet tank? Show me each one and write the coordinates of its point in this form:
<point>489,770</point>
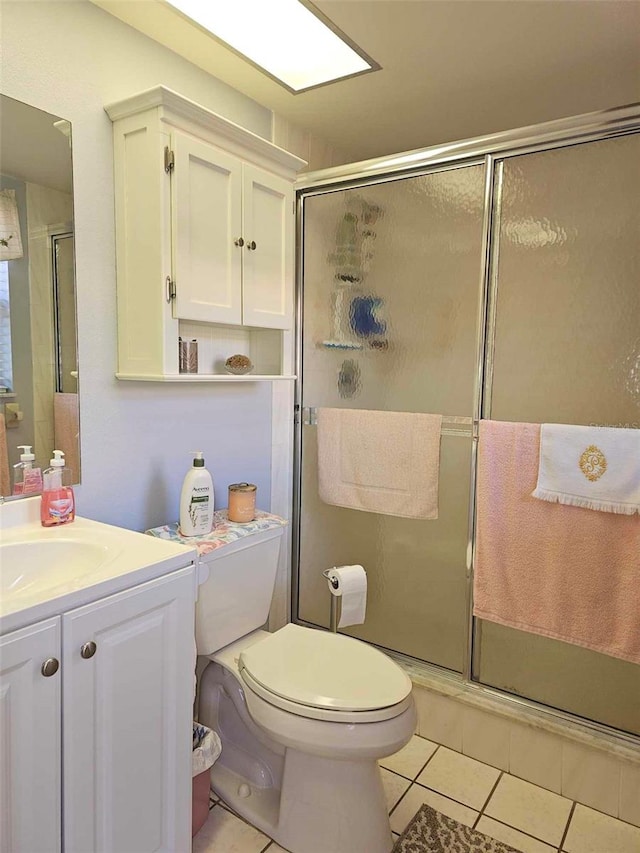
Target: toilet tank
<point>236,596</point>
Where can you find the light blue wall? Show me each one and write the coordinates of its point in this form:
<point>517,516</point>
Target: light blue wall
<point>70,59</point>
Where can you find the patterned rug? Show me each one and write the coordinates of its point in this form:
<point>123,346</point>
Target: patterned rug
<point>432,832</point>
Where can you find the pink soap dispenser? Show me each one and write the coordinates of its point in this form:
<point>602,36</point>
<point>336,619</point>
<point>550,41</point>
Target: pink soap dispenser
<point>58,503</point>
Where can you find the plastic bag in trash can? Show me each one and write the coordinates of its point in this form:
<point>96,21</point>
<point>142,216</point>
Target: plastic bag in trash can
<point>206,748</point>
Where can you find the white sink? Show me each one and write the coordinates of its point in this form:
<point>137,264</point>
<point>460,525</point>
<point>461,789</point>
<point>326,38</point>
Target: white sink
<point>45,571</point>
<point>47,563</point>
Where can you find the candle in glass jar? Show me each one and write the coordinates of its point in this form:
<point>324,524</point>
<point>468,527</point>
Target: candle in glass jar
<point>242,502</point>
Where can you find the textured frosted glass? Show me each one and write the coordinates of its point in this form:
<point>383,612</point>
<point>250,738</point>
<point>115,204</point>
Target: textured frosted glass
<point>391,286</point>
<point>568,309</point>
<point>575,679</point>
<point>66,316</point>
<point>568,351</point>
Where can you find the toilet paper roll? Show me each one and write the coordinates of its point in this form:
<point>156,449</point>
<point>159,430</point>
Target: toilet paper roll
<point>352,588</point>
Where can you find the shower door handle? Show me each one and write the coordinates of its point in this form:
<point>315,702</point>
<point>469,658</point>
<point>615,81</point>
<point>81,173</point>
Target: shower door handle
<point>310,416</point>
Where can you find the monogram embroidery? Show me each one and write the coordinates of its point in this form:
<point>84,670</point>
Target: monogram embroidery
<point>593,463</point>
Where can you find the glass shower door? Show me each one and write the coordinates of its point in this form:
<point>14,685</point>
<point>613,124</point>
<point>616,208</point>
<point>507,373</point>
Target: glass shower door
<point>390,320</point>
<point>567,350</point>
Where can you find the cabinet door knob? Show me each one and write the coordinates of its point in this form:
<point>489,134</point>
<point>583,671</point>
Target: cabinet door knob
<point>251,245</point>
<point>50,667</point>
<point>239,242</point>
<point>88,650</point>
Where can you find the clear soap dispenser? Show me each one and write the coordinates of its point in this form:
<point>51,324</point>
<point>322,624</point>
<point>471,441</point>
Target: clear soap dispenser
<point>27,480</point>
<point>58,503</point>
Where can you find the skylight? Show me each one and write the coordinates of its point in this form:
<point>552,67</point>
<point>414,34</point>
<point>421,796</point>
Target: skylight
<point>287,39</point>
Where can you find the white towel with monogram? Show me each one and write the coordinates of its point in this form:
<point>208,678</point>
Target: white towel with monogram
<point>592,467</point>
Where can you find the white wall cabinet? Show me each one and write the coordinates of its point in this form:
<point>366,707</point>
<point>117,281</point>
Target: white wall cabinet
<point>232,233</point>
<point>126,673</point>
<point>204,235</point>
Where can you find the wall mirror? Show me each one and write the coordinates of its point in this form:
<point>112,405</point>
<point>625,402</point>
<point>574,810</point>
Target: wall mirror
<point>38,340</point>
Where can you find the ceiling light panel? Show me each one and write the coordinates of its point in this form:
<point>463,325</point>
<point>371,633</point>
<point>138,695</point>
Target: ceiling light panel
<point>285,38</point>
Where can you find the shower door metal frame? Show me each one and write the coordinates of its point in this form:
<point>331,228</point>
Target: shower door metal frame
<point>55,238</point>
<point>299,415</point>
<point>491,150</point>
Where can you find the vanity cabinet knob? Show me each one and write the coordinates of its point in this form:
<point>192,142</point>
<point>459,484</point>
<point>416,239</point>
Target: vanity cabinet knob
<point>239,242</point>
<point>50,667</point>
<point>251,245</point>
<point>88,650</point>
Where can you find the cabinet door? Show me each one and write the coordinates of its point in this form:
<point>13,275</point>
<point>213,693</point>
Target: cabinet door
<point>206,222</point>
<point>30,740</point>
<point>127,719</point>
<point>268,268</point>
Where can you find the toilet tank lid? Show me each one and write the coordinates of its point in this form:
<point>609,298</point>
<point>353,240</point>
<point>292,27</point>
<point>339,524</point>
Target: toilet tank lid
<point>225,533</point>
<point>324,670</point>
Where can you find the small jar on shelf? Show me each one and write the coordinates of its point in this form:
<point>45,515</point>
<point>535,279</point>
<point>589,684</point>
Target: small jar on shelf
<point>242,502</point>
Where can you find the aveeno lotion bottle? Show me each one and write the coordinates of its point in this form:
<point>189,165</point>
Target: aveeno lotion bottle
<point>196,499</point>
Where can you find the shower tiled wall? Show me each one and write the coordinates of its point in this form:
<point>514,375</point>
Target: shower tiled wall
<point>583,766</point>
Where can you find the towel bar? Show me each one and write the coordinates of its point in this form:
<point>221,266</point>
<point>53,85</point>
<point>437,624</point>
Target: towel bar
<point>451,425</point>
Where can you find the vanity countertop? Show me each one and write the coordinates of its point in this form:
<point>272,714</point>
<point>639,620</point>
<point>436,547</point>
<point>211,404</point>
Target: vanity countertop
<point>47,571</point>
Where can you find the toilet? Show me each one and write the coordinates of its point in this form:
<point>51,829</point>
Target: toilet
<point>303,714</point>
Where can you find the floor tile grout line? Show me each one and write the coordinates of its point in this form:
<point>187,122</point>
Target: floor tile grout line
<point>481,813</point>
<point>228,809</point>
<point>446,796</point>
<point>599,811</point>
<point>401,798</point>
<point>411,779</point>
<point>404,779</point>
<point>508,773</point>
<point>433,791</point>
<point>491,793</point>
<point>528,834</point>
<point>521,831</point>
<point>517,828</point>
<point>401,775</point>
<point>428,761</point>
<point>568,824</point>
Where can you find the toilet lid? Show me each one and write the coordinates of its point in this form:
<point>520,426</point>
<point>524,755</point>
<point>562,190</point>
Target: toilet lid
<point>323,670</point>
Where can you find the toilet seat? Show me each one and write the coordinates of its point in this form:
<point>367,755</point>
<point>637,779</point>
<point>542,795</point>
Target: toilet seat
<point>325,676</point>
<point>331,715</point>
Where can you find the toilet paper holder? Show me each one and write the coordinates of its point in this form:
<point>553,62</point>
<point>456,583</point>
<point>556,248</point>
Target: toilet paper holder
<point>333,616</point>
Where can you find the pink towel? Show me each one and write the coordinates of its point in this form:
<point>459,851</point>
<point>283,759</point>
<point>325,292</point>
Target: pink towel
<point>66,428</point>
<point>560,571</point>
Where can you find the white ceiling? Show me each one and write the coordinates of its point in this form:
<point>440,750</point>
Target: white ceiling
<point>32,148</point>
<point>451,69</point>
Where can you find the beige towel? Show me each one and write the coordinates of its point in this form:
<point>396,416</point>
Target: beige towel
<point>593,467</point>
<point>560,571</point>
<point>384,462</point>
<point>66,427</point>
<point>5,477</point>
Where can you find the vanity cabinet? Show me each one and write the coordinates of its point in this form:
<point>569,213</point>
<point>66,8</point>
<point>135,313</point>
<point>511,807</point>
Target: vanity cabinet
<point>121,701</point>
<point>30,737</point>
<point>204,240</point>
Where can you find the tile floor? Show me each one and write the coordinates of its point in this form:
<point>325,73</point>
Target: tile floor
<point>528,818</point>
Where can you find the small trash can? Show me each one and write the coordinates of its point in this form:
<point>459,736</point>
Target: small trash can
<point>206,749</point>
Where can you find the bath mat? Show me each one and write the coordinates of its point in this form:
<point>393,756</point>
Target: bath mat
<point>432,832</point>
